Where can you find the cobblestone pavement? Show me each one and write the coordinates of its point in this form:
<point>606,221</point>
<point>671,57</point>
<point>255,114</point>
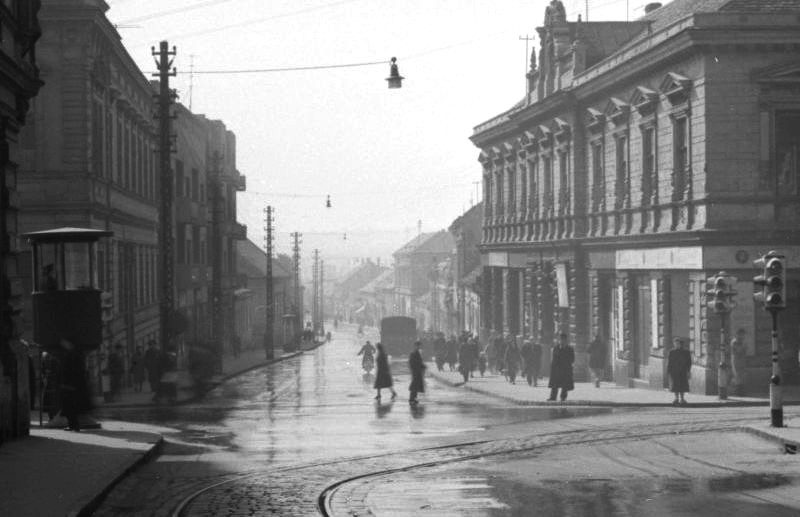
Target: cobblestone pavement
<point>273,441</point>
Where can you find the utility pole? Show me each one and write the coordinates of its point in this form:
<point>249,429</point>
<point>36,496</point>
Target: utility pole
<point>269,308</point>
<point>166,97</point>
<point>298,301</point>
<point>217,319</point>
<point>321,296</point>
<point>315,295</point>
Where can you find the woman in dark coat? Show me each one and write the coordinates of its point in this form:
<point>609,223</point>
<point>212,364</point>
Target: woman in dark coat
<point>383,376</point>
<point>561,369</point>
<point>452,353</point>
<point>679,364</point>
<point>465,360</point>
<point>417,368</point>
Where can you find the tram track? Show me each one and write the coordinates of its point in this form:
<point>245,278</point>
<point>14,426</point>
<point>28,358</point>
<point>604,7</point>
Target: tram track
<point>574,435</point>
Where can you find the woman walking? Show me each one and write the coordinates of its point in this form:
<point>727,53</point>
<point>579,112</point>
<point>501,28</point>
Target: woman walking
<point>679,364</point>
<point>417,367</point>
<point>512,361</point>
<point>383,376</point>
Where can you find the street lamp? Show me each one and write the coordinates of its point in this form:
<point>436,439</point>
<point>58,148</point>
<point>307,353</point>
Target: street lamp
<point>395,80</point>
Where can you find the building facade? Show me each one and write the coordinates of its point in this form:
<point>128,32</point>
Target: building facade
<point>19,83</point>
<point>416,268</point>
<point>646,157</point>
<point>90,159</point>
<point>466,269</point>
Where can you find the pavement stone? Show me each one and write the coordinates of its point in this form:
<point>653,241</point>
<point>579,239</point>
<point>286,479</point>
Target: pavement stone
<point>587,394</point>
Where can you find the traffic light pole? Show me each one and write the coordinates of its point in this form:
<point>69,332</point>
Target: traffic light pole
<point>775,389</point>
<point>723,371</point>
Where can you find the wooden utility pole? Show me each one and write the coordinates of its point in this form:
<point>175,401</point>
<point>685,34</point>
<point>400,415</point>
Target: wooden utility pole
<point>269,308</point>
<point>298,299</point>
<point>166,97</point>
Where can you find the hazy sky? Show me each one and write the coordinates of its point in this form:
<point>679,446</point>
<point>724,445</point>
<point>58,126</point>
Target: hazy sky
<point>387,158</point>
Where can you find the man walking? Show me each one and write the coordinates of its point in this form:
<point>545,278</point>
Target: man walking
<point>561,369</point>
<point>417,368</point>
<point>152,363</point>
<point>679,366</point>
<point>532,356</point>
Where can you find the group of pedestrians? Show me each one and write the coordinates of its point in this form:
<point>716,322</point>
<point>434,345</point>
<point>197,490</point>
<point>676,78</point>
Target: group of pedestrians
<point>383,374</point>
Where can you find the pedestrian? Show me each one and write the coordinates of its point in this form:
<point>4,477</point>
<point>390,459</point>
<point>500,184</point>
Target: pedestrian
<point>532,357</point>
<point>75,396</point>
<point>116,370</point>
<point>679,367</point>
<point>482,361</point>
<point>137,369</point>
<point>440,351</point>
<point>738,360</point>
<point>561,369</point>
<point>512,361</point>
<point>152,364</point>
<point>475,353</point>
<point>452,353</point>
<point>417,368</point>
<point>383,376</point>
<point>465,360</point>
<point>501,343</point>
<point>597,359</point>
<point>491,356</point>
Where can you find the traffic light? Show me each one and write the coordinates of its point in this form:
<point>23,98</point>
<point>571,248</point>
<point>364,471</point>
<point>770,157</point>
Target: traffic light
<point>771,283</point>
<point>720,293</point>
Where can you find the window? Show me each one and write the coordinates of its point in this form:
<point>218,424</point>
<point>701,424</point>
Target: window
<point>187,232</point>
<point>523,188</point>
<point>118,166</point>
<point>649,180</point>
<point>598,175</point>
<point>787,145</point>
<point>512,190</point>
<point>533,168</point>
<point>680,146</point>
<point>195,185</point>
<point>98,138</point>
<point>622,184</point>
<point>179,179</point>
<point>499,184</point>
<point>487,195</point>
<point>180,240</point>
<point>563,176</point>
<point>547,169</point>
<point>196,245</point>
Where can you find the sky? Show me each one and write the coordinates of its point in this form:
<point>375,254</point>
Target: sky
<point>393,161</point>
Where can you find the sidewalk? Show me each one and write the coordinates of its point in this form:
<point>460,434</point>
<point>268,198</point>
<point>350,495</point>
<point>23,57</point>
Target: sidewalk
<point>249,359</point>
<point>55,472</point>
<point>586,394</point>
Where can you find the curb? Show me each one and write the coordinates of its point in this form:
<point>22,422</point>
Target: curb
<point>785,443</point>
<point>91,506</point>
<point>197,396</point>
<point>601,403</point>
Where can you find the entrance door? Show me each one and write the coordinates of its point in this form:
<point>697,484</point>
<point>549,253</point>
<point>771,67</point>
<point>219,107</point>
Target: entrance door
<point>642,332</point>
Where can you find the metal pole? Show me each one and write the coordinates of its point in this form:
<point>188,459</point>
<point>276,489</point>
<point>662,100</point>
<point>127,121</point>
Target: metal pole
<point>269,309</point>
<point>322,295</point>
<point>722,371</point>
<point>165,98</point>
<point>775,389</point>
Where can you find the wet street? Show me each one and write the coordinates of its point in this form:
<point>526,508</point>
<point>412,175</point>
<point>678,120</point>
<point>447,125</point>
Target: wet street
<point>305,435</point>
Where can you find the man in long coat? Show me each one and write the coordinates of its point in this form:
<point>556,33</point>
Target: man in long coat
<point>561,369</point>
<point>417,368</point>
<point>532,356</point>
<point>679,364</point>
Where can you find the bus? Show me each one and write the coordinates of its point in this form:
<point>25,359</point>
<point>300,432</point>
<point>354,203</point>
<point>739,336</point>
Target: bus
<point>398,334</point>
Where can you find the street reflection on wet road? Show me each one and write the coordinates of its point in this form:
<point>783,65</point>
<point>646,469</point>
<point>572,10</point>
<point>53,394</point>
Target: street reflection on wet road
<point>320,406</point>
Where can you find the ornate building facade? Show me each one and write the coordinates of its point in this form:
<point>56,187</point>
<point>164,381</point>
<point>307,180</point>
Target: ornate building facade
<point>647,156</point>
<point>19,83</point>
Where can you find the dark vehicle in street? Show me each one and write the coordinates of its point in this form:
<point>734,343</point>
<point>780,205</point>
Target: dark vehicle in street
<point>398,334</point>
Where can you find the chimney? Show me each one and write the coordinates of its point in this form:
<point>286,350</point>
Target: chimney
<point>652,6</point>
